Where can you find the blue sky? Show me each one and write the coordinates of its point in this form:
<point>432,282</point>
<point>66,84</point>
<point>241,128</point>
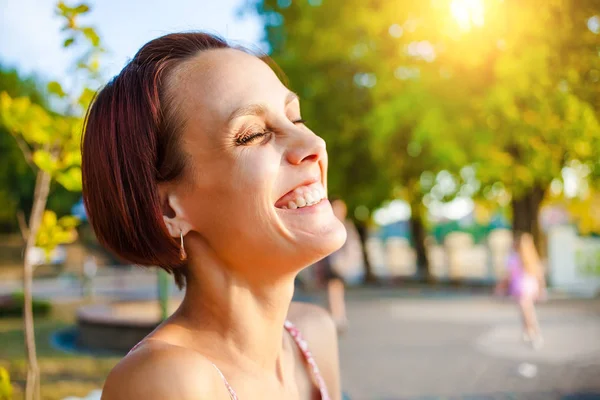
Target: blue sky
<point>30,37</point>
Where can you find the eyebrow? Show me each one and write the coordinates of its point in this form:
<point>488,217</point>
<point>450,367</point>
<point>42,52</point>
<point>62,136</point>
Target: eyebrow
<point>259,109</point>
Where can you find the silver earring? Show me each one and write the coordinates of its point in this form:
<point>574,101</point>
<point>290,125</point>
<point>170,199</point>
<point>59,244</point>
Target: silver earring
<point>182,253</point>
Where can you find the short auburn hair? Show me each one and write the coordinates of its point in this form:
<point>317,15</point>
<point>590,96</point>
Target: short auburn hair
<point>131,143</point>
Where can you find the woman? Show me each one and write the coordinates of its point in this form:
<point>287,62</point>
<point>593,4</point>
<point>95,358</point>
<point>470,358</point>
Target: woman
<point>196,159</point>
<point>525,282</point>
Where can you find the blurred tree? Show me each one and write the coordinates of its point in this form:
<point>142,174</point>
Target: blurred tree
<point>50,143</point>
<point>585,212</point>
<point>17,178</point>
<point>539,67</point>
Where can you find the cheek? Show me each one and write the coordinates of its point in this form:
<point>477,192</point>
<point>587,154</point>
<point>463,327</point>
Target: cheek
<point>233,191</point>
<point>254,175</point>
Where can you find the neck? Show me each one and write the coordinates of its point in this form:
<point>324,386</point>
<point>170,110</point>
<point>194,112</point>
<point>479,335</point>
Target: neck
<point>243,318</point>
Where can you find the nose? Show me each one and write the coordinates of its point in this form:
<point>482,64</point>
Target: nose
<point>306,146</point>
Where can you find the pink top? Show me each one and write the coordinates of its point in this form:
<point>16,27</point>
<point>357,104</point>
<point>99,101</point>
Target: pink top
<point>303,345</point>
<point>522,284</point>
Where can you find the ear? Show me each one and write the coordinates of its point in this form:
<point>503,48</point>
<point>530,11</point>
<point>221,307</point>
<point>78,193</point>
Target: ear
<point>172,211</point>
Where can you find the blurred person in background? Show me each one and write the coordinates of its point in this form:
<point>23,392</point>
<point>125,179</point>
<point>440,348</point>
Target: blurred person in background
<point>342,265</point>
<point>196,159</point>
<point>525,282</point>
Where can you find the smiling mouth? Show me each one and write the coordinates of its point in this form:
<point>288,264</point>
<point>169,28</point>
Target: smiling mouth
<point>303,196</point>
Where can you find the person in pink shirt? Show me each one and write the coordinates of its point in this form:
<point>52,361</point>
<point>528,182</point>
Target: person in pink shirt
<point>525,282</point>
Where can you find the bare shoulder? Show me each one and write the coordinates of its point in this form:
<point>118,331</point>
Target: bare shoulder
<point>158,370</point>
<point>312,319</point>
<point>319,330</point>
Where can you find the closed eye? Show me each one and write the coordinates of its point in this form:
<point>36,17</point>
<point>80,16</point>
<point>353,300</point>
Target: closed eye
<point>251,138</point>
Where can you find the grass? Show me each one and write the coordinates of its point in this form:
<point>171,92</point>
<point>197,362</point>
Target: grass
<point>62,374</point>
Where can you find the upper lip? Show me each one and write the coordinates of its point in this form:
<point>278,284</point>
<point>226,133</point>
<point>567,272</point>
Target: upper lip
<point>306,182</point>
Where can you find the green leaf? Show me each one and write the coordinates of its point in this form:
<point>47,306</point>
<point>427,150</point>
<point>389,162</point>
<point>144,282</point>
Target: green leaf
<point>71,179</point>
<point>81,9</point>
<point>55,88</point>
<point>44,161</point>
<point>53,232</point>
<point>5,100</point>
<point>68,41</point>
<point>62,8</point>
<point>86,97</point>
<point>49,219</point>
<point>62,237</point>
<point>68,221</point>
<point>5,385</point>
<point>71,158</point>
<point>91,34</point>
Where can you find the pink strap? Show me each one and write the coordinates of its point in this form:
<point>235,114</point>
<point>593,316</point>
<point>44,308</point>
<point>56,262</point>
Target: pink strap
<point>309,359</point>
<point>227,385</point>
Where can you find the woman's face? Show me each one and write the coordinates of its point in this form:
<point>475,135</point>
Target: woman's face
<point>254,167</point>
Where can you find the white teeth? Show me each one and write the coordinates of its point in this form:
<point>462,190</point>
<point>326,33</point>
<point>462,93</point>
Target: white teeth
<point>309,198</point>
<point>305,196</point>
<point>317,195</point>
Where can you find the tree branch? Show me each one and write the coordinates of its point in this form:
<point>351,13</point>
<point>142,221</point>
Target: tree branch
<point>26,152</point>
<point>23,225</point>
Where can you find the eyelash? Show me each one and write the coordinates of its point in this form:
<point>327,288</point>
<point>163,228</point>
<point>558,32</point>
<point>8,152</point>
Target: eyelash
<point>244,140</point>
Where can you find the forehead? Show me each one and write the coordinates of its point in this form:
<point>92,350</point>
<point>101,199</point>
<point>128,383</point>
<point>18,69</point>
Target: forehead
<point>215,83</point>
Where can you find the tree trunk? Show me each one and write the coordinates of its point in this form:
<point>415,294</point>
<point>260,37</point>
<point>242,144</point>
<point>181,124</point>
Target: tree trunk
<point>417,231</point>
<point>526,210</point>
<point>361,227</point>
<point>42,188</point>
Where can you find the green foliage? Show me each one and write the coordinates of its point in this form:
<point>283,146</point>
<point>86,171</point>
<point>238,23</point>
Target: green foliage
<point>84,36</point>
<point>91,35</point>
<point>54,231</point>
<point>17,180</point>
<point>535,116</point>
<point>50,140</point>
<point>6,390</point>
<point>12,306</point>
<point>56,88</point>
<point>17,85</point>
<point>53,139</point>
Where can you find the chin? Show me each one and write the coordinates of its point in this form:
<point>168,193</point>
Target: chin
<point>338,237</point>
<point>327,242</point>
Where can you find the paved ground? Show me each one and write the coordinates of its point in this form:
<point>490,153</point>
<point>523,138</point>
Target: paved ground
<point>457,347</point>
